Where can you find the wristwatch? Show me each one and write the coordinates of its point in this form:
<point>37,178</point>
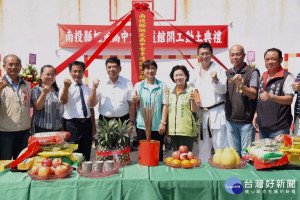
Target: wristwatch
<point>240,86</point>
<point>131,120</point>
<point>165,123</point>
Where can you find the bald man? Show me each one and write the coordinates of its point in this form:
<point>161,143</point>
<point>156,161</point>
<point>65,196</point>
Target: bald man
<point>241,98</point>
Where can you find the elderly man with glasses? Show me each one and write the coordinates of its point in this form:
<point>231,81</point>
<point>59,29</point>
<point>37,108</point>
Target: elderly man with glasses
<point>14,109</point>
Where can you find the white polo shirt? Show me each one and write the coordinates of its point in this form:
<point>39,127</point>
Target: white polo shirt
<point>113,98</point>
<point>73,108</point>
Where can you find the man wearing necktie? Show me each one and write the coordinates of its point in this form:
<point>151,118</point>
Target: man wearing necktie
<point>74,95</point>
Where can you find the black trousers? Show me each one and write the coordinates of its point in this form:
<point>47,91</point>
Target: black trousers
<point>81,134</point>
<point>12,143</point>
<point>154,136</point>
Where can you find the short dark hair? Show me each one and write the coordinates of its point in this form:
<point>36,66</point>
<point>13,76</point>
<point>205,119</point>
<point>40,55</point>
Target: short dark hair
<point>113,60</point>
<point>276,50</point>
<point>76,63</point>
<point>148,63</point>
<point>11,55</point>
<point>181,67</point>
<point>54,85</point>
<point>205,45</point>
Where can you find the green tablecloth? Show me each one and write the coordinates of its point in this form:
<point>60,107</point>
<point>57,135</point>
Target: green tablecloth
<point>161,182</point>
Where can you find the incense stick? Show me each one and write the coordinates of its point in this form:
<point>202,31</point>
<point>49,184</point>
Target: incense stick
<point>147,111</point>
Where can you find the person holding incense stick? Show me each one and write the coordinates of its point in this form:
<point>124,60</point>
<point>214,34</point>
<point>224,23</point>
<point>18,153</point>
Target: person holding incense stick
<point>183,105</point>
<point>152,97</point>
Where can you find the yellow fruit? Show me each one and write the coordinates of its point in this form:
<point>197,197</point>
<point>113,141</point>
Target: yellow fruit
<point>218,156</point>
<point>194,162</point>
<point>237,156</point>
<point>228,157</point>
<point>186,164</point>
<point>176,163</point>
<point>169,160</point>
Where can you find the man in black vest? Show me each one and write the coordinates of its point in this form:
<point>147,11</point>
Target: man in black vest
<point>241,97</point>
<point>274,115</point>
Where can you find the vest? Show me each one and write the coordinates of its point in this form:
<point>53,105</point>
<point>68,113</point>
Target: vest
<point>239,108</point>
<point>181,120</point>
<point>15,108</point>
<point>271,115</point>
<point>148,98</point>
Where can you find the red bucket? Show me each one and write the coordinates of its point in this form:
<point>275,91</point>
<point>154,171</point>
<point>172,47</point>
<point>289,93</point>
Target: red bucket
<point>149,152</point>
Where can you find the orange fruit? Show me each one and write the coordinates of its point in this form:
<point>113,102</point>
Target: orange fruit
<point>186,164</point>
<point>169,160</point>
<point>194,162</point>
<point>176,163</point>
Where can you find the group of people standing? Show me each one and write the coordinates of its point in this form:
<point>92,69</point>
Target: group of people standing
<point>212,106</point>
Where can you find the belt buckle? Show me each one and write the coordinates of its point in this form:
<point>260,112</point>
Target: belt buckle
<point>205,109</point>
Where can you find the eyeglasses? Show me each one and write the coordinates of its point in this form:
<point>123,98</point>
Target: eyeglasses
<point>13,64</point>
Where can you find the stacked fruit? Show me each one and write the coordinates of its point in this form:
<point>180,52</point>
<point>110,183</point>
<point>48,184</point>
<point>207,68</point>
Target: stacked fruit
<point>182,158</point>
<point>49,167</point>
<point>228,156</point>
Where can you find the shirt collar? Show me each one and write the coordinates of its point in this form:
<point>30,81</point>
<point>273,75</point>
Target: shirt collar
<point>279,74</point>
<point>10,81</point>
<point>240,70</point>
<point>110,82</point>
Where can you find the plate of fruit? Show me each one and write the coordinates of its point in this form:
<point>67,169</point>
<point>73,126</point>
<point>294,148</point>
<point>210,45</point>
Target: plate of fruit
<point>227,159</point>
<point>182,159</point>
<point>50,170</point>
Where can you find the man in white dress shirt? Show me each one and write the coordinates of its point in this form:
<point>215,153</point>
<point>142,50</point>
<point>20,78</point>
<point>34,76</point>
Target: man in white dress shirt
<point>74,95</point>
<point>210,81</point>
<point>114,94</point>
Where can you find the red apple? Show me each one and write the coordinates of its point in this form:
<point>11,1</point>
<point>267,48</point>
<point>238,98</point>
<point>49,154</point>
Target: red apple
<point>35,170</point>
<point>183,156</point>
<point>190,155</point>
<point>52,170</point>
<point>47,162</point>
<point>56,162</point>
<point>44,171</point>
<point>176,154</point>
<point>67,165</point>
<point>183,149</point>
<point>61,170</point>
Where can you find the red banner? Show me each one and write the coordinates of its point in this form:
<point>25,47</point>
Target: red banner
<point>75,36</point>
<point>142,42</point>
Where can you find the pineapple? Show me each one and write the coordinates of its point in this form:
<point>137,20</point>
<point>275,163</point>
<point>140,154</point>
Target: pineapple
<point>112,136</point>
<point>122,138</point>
